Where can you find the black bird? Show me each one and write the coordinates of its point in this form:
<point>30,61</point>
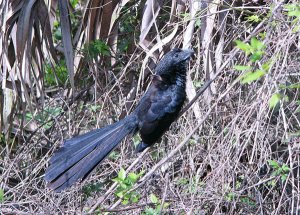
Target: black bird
<point>158,108</point>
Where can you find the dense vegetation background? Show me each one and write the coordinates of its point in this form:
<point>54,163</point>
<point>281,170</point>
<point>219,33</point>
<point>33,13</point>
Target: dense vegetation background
<point>70,66</point>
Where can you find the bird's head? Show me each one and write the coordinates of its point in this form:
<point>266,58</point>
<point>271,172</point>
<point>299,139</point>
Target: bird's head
<point>174,62</point>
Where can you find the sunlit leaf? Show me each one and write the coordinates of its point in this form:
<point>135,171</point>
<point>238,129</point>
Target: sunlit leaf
<point>122,174</point>
<point>243,46</point>
<point>1,195</point>
<point>256,44</point>
<point>252,76</point>
<point>153,198</point>
<point>266,66</point>
<point>242,68</point>
<point>291,86</point>
<point>274,164</point>
<point>253,18</point>
<point>274,100</point>
<point>256,56</point>
<point>133,177</point>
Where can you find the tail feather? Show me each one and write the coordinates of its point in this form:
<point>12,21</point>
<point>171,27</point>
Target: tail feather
<point>80,155</point>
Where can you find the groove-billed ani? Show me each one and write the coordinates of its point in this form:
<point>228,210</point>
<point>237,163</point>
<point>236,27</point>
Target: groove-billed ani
<point>157,109</point>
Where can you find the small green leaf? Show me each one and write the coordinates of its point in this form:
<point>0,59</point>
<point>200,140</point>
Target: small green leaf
<point>275,98</point>
<point>133,177</point>
<point>291,86</point>
<point>253,18</point>
<point>262,35</point>
<point>95,108</point>
<point>122,174</point>
<point>296,29</point>
<point>166,205</point>
<point>124,186</point>
<point>242,68</point>
<point>266,66</point>
<point>256,44</point>
<point>153,198</point>
<point>273,164</point>
<point>285,168</point>
<point>197,84</point>
<point>243,46</point>
<point>1,195</point>
<point>134,198</point>
<point>272,183</point>
<point>294,13</point>
<point>119,194</point>
<point>141,173</point>
<point>136,139</point>
<point>256,56</point>
<point>283,178</point>
<point>74,3</point>
<point>125,202</point>
<point>252,76</point>
<point>198,23</point>
<point>114,155</point>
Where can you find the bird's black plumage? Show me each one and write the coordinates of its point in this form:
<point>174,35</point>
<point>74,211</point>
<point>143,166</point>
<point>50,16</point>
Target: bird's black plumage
<point>158,108</point>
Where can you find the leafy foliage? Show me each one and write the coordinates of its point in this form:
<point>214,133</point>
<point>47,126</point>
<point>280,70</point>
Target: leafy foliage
<point>293,11</point>
<point>256,51</point>
<point>44,117</point>
<point>125,184</point>
<point>96,48</point>
<point>281,170</point>
<point>158,207</point>
<point>274,100</point>
<point>57,75</point>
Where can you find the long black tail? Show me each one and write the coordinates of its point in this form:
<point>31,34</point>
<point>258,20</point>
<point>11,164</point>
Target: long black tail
<point>80,155</point>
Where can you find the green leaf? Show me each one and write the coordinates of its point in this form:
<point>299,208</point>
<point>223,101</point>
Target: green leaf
<point>266,66</point>
<point>150,211</point>
<point>272,183</point>
<point>122,174</point>
<point>114,155</point>
<point>74,3</point>
<point>120,194</point>
<point>198,23</point>
<point>296,29</point>
<point>283,178</point>
<point>243,46</point>
<point>101,47</point>
<point>133,177</point>
<point>123,186</point>
<point>136,139</point>
<point>273,164</point>
<point>125,202</point>
<point>166,205</point>
<point>1,195</point>
<point>285,168</point>
<point>253,18</point>
<point>256,56</point>
<point>197,84</point>
<point>256,44</point>
<point>291,86</point>
<point>94,108</point>
<point>274,100</point>
<point>242,68</point>
<point>262,35</point>
<point>134,198</point>
<point>252,76</point>
<point>294,13</point>
<point>153,198</point>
